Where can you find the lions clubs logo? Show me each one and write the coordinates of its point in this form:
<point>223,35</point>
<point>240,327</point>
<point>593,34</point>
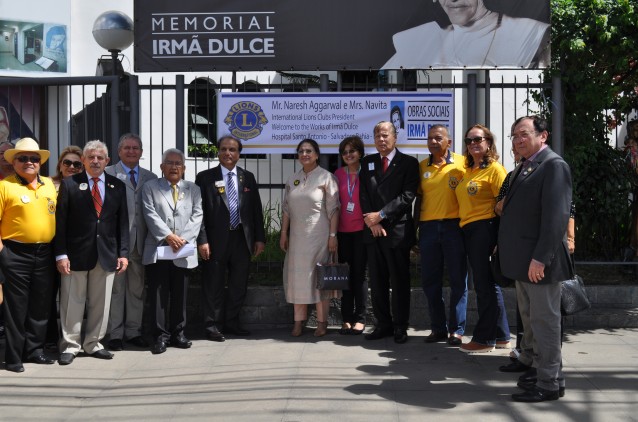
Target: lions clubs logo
<point>245,120</point>
<point>472,188</point>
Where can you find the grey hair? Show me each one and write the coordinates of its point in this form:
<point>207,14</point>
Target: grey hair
<point>377,127</point>
<point>129,136</point>
<point>173,151</point>
<point>95,145</point>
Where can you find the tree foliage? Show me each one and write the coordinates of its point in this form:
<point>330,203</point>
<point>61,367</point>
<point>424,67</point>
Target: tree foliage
<point>595,51</point>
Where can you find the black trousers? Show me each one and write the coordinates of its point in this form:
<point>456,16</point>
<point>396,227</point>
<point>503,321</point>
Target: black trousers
<point>390,269</point>
<point>353,301</point>
<point>167,289</point>
<point>221,309</point>
<point>29,272</point>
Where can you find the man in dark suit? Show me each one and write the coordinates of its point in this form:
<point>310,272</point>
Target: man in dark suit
<point>389,181</point>
<point>534,252</point>
<point>91,245</point>
<point>127,300</point>
<point>232,230</point>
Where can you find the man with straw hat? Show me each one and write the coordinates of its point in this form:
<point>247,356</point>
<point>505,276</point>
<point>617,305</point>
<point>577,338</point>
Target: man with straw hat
<point>27,226</point>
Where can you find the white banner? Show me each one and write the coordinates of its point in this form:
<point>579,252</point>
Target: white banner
<point>274,123</point>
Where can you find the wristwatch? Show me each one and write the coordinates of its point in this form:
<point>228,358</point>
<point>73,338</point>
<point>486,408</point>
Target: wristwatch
<point>381,214</point>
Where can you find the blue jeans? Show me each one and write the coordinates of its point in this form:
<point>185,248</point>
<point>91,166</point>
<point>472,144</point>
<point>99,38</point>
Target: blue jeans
<point>441,241</point>
<point>480,240</point>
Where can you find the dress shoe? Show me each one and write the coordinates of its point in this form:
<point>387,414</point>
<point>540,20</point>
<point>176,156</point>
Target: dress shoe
<point>102,354</point>
<point>435,337</point>
<point>529,376</point>
<point>115,344</point>
<point>536,395</point>
<point>379,333</point>
<point>400,335</point>
<point>322,329</point>
<point>236,330</point>
<point>356,332</point>
<point>14,367</point>
<point>455,339</point>
<point>181,342</point>
<point>346,329</point>
<point>474,347</point>
<point>516,366</point>
<point>40,360</point>
<point>66,358</point>
<point>158,348</point>
<point>215,336</point>
<point>527,386</point>
<point>138,342</point>
<point>297,329</point>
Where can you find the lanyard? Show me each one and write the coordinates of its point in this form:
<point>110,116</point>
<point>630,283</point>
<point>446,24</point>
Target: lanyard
<point>351,188</point>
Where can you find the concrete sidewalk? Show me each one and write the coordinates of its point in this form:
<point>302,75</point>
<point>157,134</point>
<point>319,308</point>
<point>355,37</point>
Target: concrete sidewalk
<point>271,376</point>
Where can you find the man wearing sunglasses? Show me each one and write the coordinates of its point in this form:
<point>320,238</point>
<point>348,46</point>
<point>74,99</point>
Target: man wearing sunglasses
<point>127,301</point>
<point>27,226</point>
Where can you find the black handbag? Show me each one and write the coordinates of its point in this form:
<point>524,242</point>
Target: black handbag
<point>573,297</point>
<point>332,275</point>
<point>495,265</point>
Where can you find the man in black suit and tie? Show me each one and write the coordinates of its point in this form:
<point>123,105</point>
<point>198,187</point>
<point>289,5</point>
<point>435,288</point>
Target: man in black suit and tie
<point>232,230</point>
<point>389,181</point>
<point>91,245</point>
<point>534,252</point>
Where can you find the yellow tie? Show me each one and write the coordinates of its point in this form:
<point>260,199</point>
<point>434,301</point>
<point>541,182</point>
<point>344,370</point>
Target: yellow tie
<point>174,187</point>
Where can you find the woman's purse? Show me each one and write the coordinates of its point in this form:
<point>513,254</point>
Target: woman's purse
<point>573,296</point>
<point>332,275</point>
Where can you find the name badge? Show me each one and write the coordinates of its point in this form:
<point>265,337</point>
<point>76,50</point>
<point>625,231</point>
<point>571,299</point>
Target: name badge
<point>84,186</point>
<point>371,166</point>
<point>350,207</point>
<point>25,199</point>
<point>220,184</point>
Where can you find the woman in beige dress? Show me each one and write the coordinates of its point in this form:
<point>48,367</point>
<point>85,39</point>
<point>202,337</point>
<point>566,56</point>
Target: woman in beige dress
<point>308,235</point>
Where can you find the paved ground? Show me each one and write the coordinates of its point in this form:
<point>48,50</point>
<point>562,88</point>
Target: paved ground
<point>273,377</point>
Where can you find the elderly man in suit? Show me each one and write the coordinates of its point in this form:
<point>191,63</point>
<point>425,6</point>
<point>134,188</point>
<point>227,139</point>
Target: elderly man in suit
<point>127,300</point>
<point>172,209</point>
<point>91,245</point>
<point>389,181</point>
<point>534,252</point>
<point>233,229</point>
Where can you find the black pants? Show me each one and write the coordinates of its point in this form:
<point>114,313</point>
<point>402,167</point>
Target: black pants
<point>29,272</point>
<point>220,309</point>
<point>167,289</point>
<point>353,301</point>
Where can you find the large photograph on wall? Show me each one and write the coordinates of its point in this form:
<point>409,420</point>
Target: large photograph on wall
<point>192,35</point>
<point>33,46</point>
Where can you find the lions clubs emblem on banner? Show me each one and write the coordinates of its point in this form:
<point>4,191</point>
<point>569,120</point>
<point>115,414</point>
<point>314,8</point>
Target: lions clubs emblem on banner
<point>245,120</point>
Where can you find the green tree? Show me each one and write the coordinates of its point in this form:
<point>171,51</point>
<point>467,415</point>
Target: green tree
<point>595,51</point>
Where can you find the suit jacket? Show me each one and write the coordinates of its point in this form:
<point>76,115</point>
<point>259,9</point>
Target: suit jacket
<point>393,192</point>
<point>216,226</point>
<point>534,219</point>
<point>163,217</point>
<point>137,226</point>
<point>79,233</point>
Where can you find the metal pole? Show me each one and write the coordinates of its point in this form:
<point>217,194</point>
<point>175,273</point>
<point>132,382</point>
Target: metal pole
<point>134,92</point>
<point>324,85</point>
<point>179,113</point>
<point>115,116</point>
<point>557,115</point>
<point>471,99</point>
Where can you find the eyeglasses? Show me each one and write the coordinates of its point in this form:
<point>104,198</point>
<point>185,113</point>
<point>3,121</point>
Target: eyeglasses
<point>348,151</point>
<point>522,136</point>
<point>35,159</point>
<point>177,164</point>
<point>69,163</point>
<point>474,140</point>
<point>305,151</point>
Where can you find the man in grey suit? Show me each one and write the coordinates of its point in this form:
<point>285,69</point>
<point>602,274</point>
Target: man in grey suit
<point>172,209</point>
<point>127,300</point>
<point>534,252</point>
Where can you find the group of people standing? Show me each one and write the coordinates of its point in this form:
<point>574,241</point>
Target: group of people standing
<point>369,211</point>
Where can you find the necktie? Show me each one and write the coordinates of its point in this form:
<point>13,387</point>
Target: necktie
<point>385,163</point>
<point>174,187</point>
<point>231,193</point>
<point>133,182</point>
<point>97,198</point>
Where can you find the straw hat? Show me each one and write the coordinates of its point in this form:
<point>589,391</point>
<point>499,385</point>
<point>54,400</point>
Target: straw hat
<point>27,145</point>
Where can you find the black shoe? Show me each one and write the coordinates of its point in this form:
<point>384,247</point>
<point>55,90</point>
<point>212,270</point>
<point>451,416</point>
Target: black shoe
<point>527,386</point>
<point>66,358</point>
<point>400,335</point>
<point>40,360</point>
<point>536,395</point>
<point>529,376</point>
<point>138,342</point>
<point>102,354</point>
<point>379,333</point>
<point>181,342</point>
<point>455,340</point>
<point>215,335</point>
<point>158,348</point>
<point>516,366</point>
<point>115,344</point>
<point>435,337</point>
<point>237,330</point>
<point>14,367</point>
